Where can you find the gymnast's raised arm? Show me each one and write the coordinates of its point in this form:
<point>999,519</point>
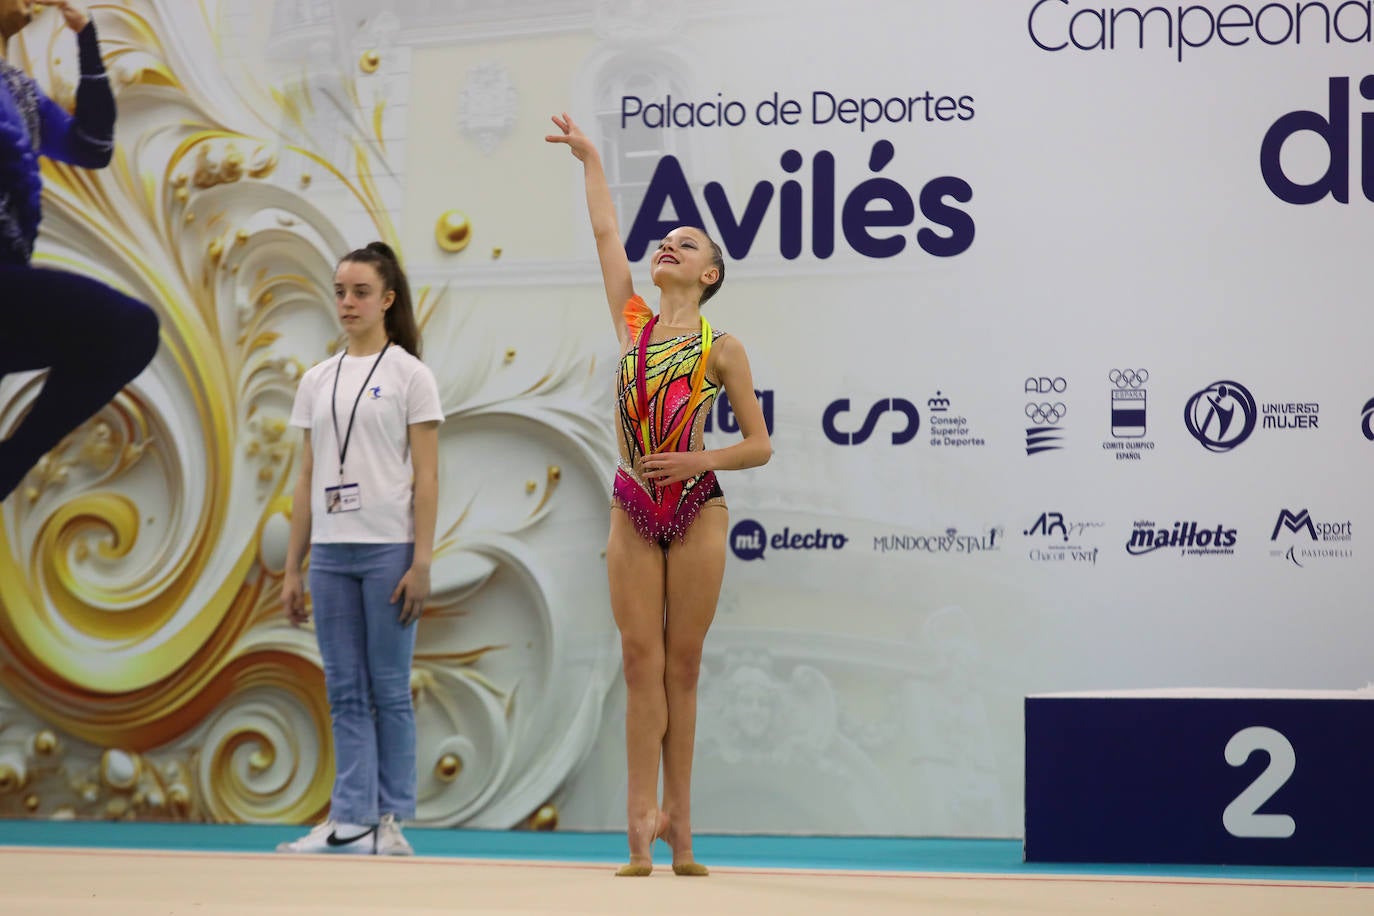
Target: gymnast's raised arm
<point>615,265</point>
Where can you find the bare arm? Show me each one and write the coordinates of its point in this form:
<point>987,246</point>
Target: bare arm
<point>424,460</point>
<point>615,266</point>
<point>732,368</point>
<point>292,589</point>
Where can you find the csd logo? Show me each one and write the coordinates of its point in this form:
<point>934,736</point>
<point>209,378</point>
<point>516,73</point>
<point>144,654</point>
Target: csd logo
<point>910,421</point>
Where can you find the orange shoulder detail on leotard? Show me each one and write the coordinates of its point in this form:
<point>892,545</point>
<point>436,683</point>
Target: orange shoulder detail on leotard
<point>637,315</point>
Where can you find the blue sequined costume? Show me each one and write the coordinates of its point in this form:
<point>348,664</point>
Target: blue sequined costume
<point>91,339</point>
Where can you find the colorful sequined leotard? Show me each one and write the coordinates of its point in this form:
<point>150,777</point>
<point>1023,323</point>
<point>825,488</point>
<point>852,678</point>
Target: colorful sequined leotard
<point>664,399</point>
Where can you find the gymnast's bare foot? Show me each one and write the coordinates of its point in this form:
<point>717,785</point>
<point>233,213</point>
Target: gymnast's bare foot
<point>679,837</point>
<point>642,833</point>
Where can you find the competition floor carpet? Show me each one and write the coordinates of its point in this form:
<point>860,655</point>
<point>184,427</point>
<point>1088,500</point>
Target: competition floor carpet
<point>145,869</point>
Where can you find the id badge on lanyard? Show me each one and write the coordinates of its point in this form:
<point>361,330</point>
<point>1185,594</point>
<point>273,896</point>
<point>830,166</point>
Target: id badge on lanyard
<point>346,497</point>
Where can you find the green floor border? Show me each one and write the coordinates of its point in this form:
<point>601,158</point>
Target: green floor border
<point>765,852</point>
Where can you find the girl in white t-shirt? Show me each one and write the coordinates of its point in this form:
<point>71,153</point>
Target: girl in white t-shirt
<point>365,503</point>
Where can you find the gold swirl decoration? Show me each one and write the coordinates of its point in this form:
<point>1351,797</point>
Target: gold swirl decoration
<point>265,759</point>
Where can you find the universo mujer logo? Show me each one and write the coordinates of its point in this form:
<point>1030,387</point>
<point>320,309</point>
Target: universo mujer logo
<point>1062,25</point>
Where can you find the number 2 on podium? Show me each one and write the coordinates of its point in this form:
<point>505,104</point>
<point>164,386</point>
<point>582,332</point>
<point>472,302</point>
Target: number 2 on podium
<point>1240,817</point>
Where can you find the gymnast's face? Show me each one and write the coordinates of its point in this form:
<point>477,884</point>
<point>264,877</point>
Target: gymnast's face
<point>686,254</point>
<point>14,15</point>
<point>362,299</point>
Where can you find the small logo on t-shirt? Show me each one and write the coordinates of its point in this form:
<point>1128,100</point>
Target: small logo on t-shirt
<point>376,391</point>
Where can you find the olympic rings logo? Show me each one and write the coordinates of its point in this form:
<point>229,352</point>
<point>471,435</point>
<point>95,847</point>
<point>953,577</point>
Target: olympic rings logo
<point>1045,412</point>
<point>1128,378</point>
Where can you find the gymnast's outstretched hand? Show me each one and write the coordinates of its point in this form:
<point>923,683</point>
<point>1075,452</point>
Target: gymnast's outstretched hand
<point>572,135</point>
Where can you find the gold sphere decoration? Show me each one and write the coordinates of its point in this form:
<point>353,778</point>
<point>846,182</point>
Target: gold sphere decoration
<point>241,237</point>
<point>31,803</point>
<point>510,354</point>
<point>546,818</point>
<point>117,807</point>
<point>531,486</point>
<point>448,767</point>
<point>179,796</point>
<point>183,195</point>
<point>453,231</point>
<point>44,743</point>
<point>555,472</point>
<point>495,253</point>
<point>369,62</point>
<point>10,779</point>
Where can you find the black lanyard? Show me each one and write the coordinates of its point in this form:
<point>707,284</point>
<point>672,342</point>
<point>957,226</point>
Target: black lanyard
<point>333,404</point>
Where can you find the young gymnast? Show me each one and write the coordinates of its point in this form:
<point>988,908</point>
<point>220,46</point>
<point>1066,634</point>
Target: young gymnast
<point>666,552</point>
<point>91,339</point>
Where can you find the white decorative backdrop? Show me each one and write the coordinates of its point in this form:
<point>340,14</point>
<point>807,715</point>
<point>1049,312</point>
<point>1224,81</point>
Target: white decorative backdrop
<point>1095,210</point>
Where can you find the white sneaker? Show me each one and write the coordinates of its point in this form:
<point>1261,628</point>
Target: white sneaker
<point>390,841</point>
<point>324,839</point>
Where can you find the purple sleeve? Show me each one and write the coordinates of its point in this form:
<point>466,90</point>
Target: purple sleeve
<point>86,138</point>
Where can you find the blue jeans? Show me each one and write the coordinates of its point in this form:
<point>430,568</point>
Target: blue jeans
<point>367,656</point>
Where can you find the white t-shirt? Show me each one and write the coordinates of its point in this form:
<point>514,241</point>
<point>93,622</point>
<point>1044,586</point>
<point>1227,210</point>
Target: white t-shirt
<point>401,391</point>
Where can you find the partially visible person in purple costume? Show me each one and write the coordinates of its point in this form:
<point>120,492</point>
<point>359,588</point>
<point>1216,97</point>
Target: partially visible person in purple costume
<point>91,339</point>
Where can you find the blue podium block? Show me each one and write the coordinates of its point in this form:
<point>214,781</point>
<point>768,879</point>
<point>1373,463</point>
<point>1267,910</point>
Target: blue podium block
<point>1218,777</point>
